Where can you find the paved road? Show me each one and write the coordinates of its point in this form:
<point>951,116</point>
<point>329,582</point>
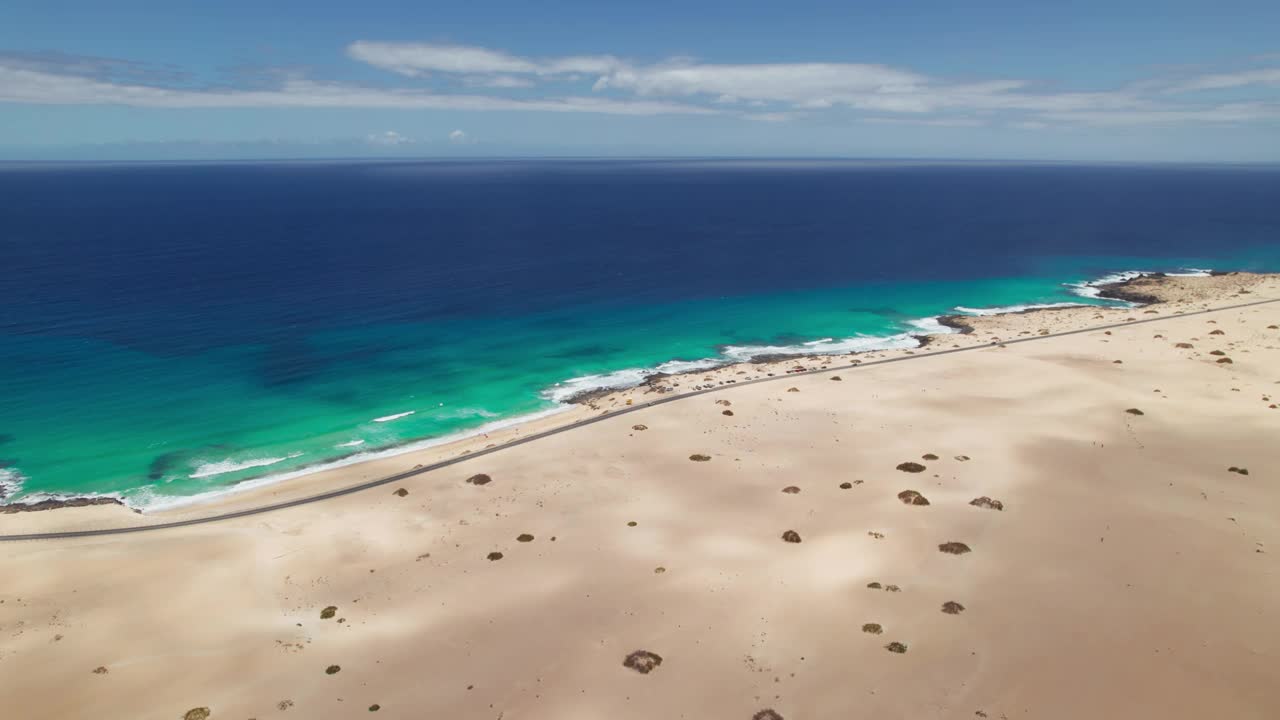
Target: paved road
<point>573,426</point>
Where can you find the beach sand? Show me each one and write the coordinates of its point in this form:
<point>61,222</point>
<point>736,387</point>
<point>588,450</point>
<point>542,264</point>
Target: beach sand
<point>1130,572</point>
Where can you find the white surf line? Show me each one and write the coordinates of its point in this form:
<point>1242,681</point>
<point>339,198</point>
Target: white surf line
<point>449,462</point>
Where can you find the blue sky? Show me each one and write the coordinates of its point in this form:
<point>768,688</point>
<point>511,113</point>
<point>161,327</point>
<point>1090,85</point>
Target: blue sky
<point>1142,81</point>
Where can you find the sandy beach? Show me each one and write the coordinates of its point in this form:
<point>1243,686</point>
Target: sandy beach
<point>1085,525</point>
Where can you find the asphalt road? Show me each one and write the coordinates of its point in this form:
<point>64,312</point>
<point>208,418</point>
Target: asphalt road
<point>573,426</point>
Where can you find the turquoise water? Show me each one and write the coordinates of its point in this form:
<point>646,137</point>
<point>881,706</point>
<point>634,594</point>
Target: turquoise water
<point>176,407</point>
<point>157,392</point>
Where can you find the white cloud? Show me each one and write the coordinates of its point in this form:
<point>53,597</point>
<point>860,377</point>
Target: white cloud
<point>44,88</point>
<point>797,83</point>
<point>1224,81</point>
<point>928,122</point>
<point>1229,113</point>
<point>497,81</point>
<point>460,77</point>
<point>775,88</point>
<point>458,137</point>
<point>414,59</point>
<point>388,137</point>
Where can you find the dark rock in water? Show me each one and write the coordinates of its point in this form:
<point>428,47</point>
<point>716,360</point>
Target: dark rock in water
<point>59,504</point>
<point>375,707</point>
<point>954,548</point>
<point>328,612</point>
<point>480,479</point>
<point>1125,291</point>
<point>200,713</point>
<point>896,647</point>
<point>494,556</point>
<point>791,536</point>
<point>911,467</point>
<point>911,497</point>
<point>586,397</point>
<point>524,537</point>
<point>872,628</point>
<point>332,670</point>
<point>987,503</point>
<point>699,457</point>
<point>5,438</point>
<point>952,607</point>
<point>956,322</point>
<point>642,661</point>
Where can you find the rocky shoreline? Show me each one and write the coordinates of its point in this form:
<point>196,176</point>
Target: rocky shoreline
<point>59,503</point>
<point>1123,290</point>
<point>1151,289</point>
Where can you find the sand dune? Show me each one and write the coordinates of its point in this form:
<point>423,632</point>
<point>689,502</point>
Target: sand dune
<point>1070,559</point>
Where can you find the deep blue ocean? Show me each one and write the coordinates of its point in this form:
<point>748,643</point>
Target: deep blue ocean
<point>169,330</point>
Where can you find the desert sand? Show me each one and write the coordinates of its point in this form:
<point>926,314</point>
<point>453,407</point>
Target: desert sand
<point>1083,525</point>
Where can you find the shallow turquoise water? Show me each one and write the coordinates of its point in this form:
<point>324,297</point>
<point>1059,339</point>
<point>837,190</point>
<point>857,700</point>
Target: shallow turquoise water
<point>171,332</point>
<point>479,374</point>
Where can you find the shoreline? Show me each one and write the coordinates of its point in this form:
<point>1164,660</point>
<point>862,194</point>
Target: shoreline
<point>934,518</point>
<point>1115,287</point>
<point>1160,288</point>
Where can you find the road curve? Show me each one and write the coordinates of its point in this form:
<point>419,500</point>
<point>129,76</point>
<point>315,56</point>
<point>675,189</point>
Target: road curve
<point>581,423</point>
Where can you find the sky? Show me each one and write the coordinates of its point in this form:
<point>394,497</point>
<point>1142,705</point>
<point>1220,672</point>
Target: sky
<point>1125,80</point>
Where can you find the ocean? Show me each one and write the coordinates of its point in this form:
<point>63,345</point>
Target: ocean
<point>167,331</point>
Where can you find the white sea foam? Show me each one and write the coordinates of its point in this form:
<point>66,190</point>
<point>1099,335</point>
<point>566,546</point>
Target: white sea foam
<point>931,326</point>
<point>632,377</point>
<point>1092,288</point>
<point>1014,308</point>
<point>353,443</point>
<point>675,367</point>
<point>397,416</point>
<point>629,377</point>
<point>223,467</point>
<point>10,482</point>
<point>40,497</point>
<point>463,413</point>
<point>149,501</point>
<point>859,343</point>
